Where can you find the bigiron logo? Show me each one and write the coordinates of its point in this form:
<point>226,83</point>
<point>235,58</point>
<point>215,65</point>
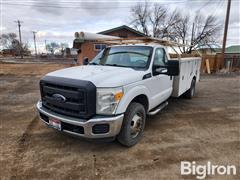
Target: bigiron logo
<point>201,171</point>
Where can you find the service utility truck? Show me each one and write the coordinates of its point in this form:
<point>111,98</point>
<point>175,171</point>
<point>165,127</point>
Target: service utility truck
<point>112,95</point>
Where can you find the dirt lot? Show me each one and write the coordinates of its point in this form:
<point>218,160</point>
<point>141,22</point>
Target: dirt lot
<point>206,128</point>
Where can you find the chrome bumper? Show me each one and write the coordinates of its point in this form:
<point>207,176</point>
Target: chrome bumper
<point>114,123</point>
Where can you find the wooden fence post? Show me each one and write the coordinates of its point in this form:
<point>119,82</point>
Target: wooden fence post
<point>208,66</point>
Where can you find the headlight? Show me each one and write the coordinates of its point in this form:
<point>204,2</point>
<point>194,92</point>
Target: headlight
<point>108,99</point>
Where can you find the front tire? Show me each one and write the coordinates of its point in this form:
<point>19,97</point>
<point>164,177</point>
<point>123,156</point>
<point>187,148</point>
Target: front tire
<point>133,125</point>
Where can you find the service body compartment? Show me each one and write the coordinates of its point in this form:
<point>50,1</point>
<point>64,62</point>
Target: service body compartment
<point>189,68</point>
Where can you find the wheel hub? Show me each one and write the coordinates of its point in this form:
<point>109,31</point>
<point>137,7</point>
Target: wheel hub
<point>136,125</point>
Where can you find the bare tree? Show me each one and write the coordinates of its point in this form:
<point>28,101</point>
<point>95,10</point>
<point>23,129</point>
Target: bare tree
<point>204,31</point>
<point>145,17</point>
<point>140,17</point>
<point>156,18</point>
<point>63,47</point>
<point>168,31</point>
<point>175,25</point>
<point>180,31</point>
<point>52,47</point>
<point>9,41</point>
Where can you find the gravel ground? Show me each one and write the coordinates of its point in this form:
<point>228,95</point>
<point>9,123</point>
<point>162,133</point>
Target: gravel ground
<point>206,128</point>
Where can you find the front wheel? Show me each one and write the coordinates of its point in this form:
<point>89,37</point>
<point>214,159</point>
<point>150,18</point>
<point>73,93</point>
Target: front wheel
<point>133,125</point>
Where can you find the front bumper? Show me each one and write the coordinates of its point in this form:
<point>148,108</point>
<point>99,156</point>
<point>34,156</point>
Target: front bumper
<point>114,123</point>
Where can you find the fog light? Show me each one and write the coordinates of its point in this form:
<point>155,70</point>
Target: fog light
<point>100,128</point>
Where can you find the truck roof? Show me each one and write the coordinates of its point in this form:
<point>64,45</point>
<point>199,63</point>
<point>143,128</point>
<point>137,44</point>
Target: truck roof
<point>139,44</point>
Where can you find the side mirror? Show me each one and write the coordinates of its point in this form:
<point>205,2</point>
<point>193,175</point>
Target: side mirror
<point>85,61</point>
<point>159,70</point>
<point>173,68</point>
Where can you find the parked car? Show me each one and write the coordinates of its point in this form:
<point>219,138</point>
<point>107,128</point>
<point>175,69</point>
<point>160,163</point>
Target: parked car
<point>112,95</point>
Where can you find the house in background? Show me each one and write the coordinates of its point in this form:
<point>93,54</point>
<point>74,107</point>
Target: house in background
<point>123,32</point>
<point>232,57</point>
<point>210,49</point>
<point>88,43</point>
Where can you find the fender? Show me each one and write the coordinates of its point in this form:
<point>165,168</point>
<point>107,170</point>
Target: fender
<point>129,94</point>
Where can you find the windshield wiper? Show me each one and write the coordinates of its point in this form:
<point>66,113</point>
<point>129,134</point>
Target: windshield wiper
<point>132,52</point>
<point>113,65</point>
<point>117,65</point>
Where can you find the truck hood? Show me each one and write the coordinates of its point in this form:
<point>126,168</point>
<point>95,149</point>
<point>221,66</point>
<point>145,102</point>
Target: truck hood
<point>101,76</point>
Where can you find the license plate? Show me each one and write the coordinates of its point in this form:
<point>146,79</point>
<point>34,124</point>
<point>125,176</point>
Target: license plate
<point>55,124</point>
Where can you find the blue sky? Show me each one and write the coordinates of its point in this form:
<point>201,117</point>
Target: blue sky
<point>57,20</point>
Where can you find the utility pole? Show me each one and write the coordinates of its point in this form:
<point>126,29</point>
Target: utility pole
<point>20,36</point>
<point>34,38</point>
<point>45,45</point>
<point>225,32</point>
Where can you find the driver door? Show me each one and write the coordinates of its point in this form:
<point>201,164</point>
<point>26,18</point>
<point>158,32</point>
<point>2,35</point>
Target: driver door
<point>161,88</point>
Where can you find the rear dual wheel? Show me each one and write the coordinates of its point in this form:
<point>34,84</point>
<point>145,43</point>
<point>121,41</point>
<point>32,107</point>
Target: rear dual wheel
<point>191,92</point>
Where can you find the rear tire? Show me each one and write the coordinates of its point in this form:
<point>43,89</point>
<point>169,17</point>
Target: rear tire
<point>133,125</point>
<point>191,92</point>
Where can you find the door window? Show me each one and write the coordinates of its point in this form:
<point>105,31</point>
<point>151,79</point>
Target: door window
<point>160,57</point>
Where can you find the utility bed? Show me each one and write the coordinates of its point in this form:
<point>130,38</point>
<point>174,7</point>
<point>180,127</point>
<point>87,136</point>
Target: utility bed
<point>188,67</point>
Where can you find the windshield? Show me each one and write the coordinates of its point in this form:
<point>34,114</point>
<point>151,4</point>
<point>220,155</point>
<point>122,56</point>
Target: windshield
<point>124,56</point>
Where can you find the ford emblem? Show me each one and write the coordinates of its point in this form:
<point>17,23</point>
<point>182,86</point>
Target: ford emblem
<point>59,97</point>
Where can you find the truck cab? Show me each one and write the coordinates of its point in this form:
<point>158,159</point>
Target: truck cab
<point>111,96</point>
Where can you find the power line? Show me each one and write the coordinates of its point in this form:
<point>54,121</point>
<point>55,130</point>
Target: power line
<point>219,6</point>
<point>62,5</point>
<point>20,36</point>
<point>104,1</point>
<point>92,1</point>
<point>203,6</point>
<point>49,5</point>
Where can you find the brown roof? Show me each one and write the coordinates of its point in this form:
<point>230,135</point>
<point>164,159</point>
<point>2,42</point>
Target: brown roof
<point>120,28</point>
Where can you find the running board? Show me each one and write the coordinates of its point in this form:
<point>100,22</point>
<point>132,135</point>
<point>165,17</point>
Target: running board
<point>158,108</point>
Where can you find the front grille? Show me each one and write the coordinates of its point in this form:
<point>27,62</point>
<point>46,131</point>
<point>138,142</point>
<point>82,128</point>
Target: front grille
<point>79,97</point>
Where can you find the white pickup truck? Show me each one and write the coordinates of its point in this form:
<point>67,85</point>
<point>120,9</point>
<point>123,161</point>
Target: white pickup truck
<point>112,95</point>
